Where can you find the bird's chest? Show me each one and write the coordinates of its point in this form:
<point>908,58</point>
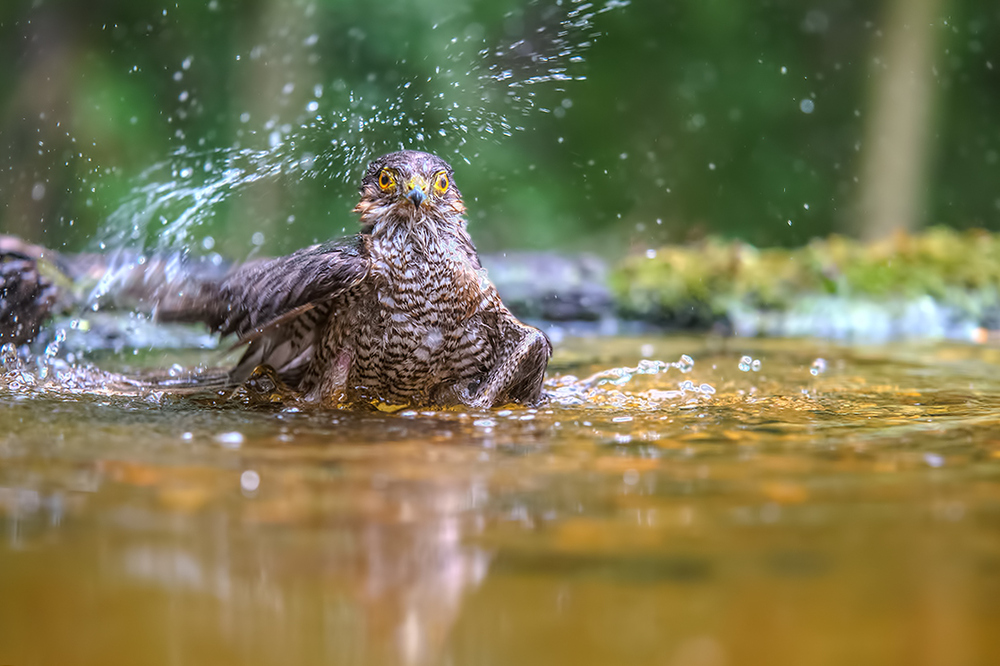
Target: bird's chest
<point>421,326</point>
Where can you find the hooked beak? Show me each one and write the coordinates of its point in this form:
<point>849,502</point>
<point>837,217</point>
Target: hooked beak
<point>417,197</point>
<point>415,191</point>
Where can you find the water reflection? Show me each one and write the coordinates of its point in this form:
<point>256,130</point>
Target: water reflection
<point>384,582</point>
<point>323,561</point>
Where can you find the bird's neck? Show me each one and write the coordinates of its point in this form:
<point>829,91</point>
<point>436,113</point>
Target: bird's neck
<point>420,239</point>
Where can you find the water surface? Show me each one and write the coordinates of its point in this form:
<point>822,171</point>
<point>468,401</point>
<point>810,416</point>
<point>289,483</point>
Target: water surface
<point>827,505</point>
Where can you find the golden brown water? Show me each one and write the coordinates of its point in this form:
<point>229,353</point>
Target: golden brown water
<point>850,516</point>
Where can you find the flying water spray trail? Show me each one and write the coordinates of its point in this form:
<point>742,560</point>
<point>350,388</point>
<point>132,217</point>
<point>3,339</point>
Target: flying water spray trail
<point>547,54</point>
<point>471,97</point>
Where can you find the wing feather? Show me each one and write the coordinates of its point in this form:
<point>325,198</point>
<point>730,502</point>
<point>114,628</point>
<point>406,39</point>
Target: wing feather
<point>263,293</point>
<point>278,307</point>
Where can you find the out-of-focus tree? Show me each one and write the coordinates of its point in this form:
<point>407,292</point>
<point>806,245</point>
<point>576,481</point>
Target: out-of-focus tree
<point>894,173</point>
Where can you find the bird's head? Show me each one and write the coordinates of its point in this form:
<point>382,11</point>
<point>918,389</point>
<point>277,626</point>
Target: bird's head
<point>408,186</point>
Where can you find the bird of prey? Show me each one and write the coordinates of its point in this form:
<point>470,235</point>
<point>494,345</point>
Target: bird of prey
<point>401,313</point>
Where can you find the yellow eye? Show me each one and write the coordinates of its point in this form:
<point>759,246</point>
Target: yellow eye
<point>385,180</point>
<point>441,183</point>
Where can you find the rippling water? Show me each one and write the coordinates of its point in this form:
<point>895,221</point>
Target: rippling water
<point>736,502</point>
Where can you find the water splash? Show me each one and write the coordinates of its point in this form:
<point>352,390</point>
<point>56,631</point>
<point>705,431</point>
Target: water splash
<point>332,131</point>
<point>546,51</point>
<point>603,389</point>
<point>55,374</point>
<point>622,376</point>
<point>24,373</point>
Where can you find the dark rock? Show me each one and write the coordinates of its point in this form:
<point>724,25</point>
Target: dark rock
<point>552,287</point>
<point>26,299</point>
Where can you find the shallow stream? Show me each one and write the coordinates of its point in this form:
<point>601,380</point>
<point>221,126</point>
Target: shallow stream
<point>808,504</point>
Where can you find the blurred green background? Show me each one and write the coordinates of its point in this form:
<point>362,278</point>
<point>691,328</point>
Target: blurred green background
<point>242,126</point>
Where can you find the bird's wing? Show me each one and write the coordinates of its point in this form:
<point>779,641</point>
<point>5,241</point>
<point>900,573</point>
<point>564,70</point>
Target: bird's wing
<point>277,307</point>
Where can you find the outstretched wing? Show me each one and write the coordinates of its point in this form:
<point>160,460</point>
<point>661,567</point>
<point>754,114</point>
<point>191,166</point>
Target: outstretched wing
<point>260,293</point>
<point>277,307</point>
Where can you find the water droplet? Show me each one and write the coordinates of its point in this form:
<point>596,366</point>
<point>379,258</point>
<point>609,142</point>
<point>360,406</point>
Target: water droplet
<point>230,440</point>
<point>249,481</point>
<point>934,460</point>
<point>815,22</point>
<point>8,356</point>
<point>807,106</point>
<point>818,367</point>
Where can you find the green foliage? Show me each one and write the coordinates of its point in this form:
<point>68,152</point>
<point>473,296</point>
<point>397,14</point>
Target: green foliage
<point>688,122</point>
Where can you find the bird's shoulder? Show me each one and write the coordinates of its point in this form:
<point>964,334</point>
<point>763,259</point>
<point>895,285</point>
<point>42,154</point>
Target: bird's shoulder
<point>264,290</point>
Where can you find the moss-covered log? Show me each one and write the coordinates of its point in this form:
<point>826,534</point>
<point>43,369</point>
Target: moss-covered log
<point>938,283</point>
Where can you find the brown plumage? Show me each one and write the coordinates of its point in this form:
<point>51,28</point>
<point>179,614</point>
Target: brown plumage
<point>402,312</point>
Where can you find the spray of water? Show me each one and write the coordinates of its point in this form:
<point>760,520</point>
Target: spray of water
<point>482,85</point>
<point>619,387</point>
